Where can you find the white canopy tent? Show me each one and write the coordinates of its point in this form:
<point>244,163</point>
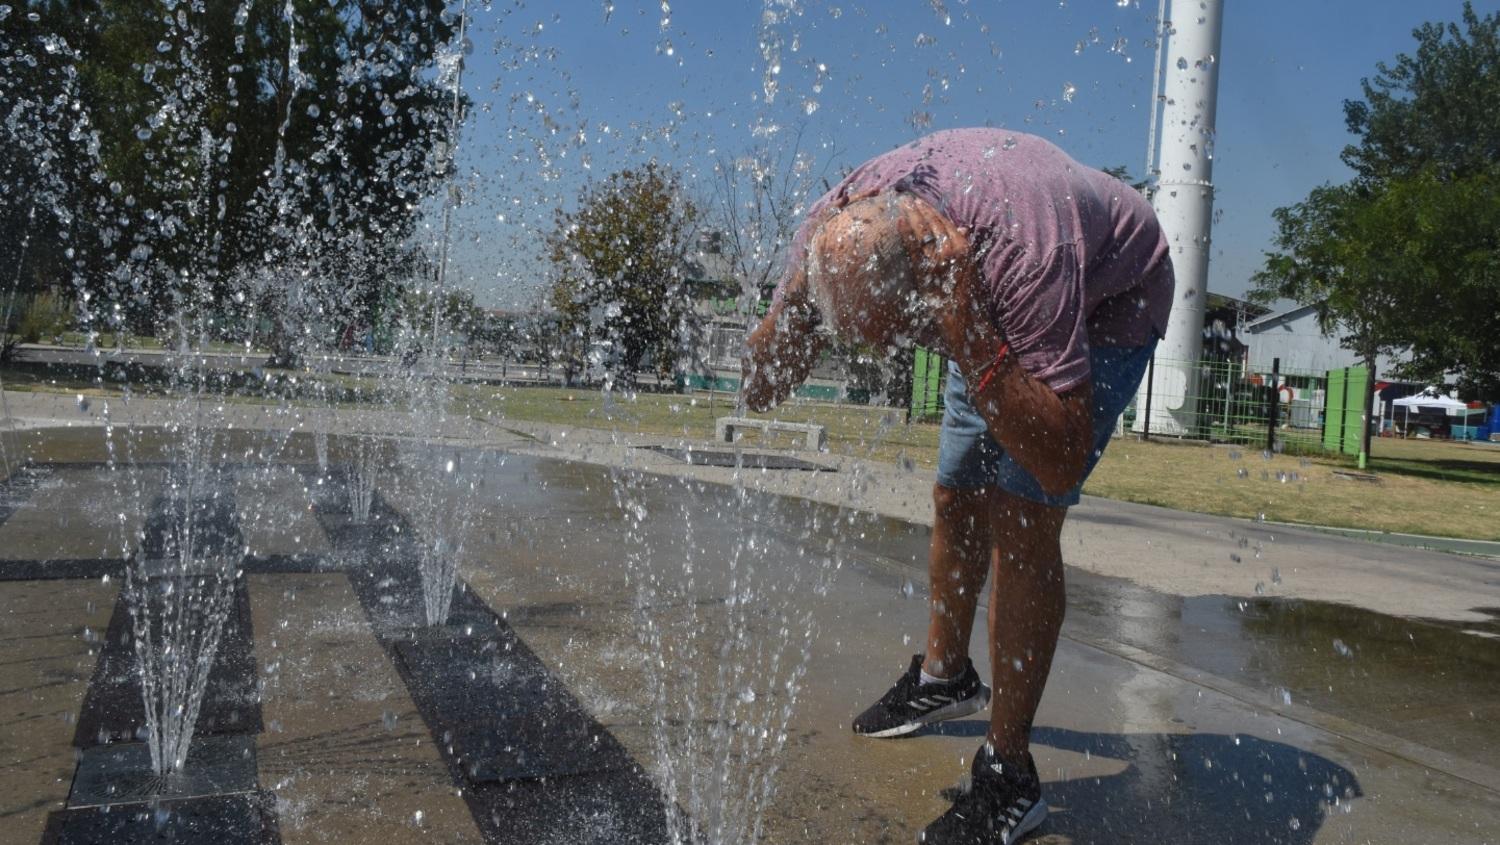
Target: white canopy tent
<point>1447,404</point>
<point>1428,402</point>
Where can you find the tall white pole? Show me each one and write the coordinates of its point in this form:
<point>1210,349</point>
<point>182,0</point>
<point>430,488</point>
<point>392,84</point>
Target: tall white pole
<point>1184,202</point>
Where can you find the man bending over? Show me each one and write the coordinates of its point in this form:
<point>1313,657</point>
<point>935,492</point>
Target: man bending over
<point>1046,283</point>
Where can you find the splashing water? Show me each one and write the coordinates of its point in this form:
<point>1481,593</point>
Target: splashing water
<point>320,448</point>
<point>364,473</point>
<point>178,587</point>
<point>724,674</point>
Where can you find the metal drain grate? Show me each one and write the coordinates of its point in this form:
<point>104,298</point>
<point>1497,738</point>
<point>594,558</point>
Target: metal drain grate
<point>121,773</point>
<point>747,460</point>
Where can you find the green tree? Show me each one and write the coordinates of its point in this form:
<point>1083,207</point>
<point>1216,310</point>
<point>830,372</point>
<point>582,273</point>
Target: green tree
<point>1122,173</point>
<point>618,260</point>
<point>1441,236</point>
<point>1435,110</point>
<point>227,156</point>
<point>1403,257</point>
<point>1332,252</point>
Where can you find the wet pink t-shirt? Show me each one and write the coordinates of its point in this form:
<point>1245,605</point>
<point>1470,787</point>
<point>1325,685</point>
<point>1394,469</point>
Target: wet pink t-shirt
<point>1071,256</point>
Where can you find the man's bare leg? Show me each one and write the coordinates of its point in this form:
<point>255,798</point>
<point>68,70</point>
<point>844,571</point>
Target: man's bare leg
<point>956,568</point>
<point>1027,603</point>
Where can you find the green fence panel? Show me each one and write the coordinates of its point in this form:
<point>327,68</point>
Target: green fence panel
<point>927,384</point>
<point>1356,381</point>
<point>1343,422</point>
<point>1333,413</point>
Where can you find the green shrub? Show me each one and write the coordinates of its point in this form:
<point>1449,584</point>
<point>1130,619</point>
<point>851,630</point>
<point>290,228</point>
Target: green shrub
<point>45,315</point>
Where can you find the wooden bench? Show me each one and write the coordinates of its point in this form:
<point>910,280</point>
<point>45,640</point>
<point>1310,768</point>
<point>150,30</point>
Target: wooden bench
<point>815,436</point>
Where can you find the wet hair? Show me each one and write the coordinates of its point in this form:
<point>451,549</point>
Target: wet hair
<point>860,249</point>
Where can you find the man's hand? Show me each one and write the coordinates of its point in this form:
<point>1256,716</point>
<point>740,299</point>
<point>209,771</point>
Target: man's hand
<point>781,351</point>
<point>953,319</point>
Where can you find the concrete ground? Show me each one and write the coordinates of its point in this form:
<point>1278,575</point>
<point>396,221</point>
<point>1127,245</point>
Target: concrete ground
<point>1218,680</point>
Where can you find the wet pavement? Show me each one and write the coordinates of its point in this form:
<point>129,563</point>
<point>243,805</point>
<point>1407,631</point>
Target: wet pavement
<point>714,631</point>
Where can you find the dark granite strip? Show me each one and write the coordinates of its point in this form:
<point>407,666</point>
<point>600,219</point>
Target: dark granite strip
<point>17,489</point>
<point>112,707</point>
<point>744,460</point>
<point>247,819</point>
<point>221,759</point>
<point>61,568</point>
<point>533,764</point>
<point>293,564</point>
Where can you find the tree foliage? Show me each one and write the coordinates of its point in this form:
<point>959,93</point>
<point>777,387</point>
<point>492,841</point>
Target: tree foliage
<point>1434,110</point>
<point>1404,256</point>
<point>618,260</point>
<point>758,200</point>
<point>243,153</point>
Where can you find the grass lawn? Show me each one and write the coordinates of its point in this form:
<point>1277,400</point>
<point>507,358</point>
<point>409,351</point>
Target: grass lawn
<point>1424,487</point>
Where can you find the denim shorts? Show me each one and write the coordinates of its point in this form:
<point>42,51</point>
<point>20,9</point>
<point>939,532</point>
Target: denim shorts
<point>968,457</point>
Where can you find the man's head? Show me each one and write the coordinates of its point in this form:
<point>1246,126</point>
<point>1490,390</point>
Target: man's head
<point>862,273</point>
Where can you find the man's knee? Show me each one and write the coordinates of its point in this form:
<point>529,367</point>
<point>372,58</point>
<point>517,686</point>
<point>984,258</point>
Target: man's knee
<point>1027,531</point>
<point>950,502</point>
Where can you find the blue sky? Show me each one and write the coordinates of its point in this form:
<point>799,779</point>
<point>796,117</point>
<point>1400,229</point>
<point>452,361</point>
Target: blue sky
<point>565,93</point>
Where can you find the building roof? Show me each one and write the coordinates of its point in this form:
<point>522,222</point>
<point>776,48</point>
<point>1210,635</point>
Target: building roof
<point>1271,321</point>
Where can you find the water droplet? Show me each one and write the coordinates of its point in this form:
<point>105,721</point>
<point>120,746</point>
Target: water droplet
<point>1069,90</point>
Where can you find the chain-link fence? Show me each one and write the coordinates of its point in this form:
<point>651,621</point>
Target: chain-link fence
<point>1215,400</point>
<point>1222,401</point>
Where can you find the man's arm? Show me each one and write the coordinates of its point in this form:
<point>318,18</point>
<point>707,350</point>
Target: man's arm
<point>781,351</point>
<point>1049,434</point>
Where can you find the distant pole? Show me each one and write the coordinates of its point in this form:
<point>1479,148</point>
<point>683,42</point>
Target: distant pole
<point>1369,413</point>
<point>1150,377</point>
<point>1275,404</point>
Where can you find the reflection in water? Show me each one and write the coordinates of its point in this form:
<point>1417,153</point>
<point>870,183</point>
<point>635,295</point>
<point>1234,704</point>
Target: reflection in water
<point>1345,661</point>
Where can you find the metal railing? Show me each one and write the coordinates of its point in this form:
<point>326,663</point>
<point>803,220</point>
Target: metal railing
<point>1222,401</point>
<point>1229,404</point>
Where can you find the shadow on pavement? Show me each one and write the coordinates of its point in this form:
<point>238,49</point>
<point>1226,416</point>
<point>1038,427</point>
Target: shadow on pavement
<point>1235,790</point>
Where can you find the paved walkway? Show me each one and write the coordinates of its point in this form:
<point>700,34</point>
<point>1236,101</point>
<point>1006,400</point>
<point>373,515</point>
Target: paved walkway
<point>1185,705</point>
<point>1170,551</point>
<point>1173,552</point>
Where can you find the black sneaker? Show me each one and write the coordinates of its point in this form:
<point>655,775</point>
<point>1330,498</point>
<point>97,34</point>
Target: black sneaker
<point>1003,804</point>
<point>910,704</point>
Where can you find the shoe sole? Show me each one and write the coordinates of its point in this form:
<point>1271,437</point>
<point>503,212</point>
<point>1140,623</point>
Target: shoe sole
<point>1029,822</point>
<point>956,710</point>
